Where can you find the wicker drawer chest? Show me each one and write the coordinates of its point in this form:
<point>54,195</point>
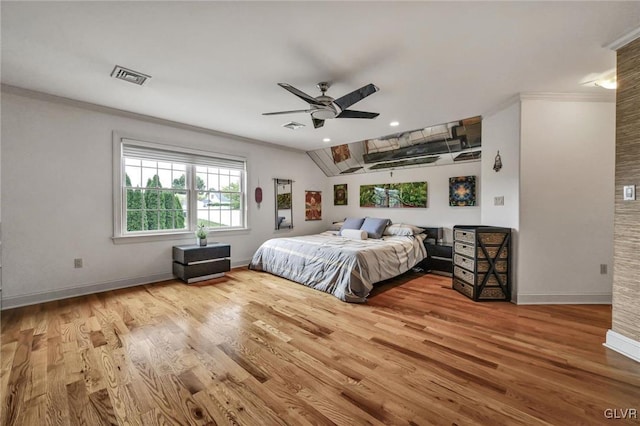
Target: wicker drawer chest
<point>481,262</point>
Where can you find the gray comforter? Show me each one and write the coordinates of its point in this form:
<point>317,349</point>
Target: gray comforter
<point>343,267</point>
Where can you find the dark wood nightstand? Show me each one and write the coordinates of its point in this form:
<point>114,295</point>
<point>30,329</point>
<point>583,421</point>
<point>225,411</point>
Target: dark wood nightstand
<point>192,263</point>
<point>439,259</point>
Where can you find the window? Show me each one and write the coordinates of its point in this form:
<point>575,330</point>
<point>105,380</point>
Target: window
<point>164,190</point>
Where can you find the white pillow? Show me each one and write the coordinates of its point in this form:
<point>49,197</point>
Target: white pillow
<point>402,229</point>
<point>354,234</point>
<point>335,226</point>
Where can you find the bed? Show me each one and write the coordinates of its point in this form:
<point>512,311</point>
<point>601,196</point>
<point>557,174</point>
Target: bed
<point>346,268</point>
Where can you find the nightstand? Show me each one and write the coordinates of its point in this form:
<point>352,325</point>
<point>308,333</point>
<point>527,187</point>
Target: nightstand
<point>439,259</point>
<point>193,263</point>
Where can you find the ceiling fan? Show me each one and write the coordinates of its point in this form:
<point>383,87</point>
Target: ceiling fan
<point>324,107</point>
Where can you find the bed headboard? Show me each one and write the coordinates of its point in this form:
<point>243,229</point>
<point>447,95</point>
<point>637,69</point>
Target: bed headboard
<point>434,234</point>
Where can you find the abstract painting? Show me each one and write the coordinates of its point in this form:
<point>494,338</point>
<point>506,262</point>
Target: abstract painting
<point>284,201</point>
<point>312,205</point>
<point>394,195</point>
<point>340,153</point>
<point>340,195</point>
<point>462,191</point>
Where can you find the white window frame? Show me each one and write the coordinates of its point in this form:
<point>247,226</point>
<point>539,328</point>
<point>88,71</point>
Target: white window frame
<point>120,233</point>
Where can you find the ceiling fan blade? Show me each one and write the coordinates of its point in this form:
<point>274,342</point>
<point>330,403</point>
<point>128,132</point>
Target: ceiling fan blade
<point>317,123</point>
<point>357,95</point>
<point>299,93</point>
<point>287,112</point>
<point>349,113</point>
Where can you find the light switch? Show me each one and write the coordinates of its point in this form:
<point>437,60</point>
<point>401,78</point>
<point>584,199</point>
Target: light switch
<point>498,201</point>
<point>629,193</point>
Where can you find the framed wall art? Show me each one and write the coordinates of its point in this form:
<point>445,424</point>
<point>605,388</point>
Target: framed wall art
<point>394,195</point>
<point>312,205</point>
<point>340,153</point>
<point>462,191</point>
<point>340,195</point>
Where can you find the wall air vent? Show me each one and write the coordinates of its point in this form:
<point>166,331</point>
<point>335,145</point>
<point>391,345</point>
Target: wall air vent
<point>293,125</point>
<point>131,76</point>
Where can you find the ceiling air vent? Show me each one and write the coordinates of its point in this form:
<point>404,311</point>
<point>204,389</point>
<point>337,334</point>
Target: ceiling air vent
<point>293,125</point>
<point>131,76</point>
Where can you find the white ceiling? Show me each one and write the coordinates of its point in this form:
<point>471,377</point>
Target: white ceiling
<point>216,64</point>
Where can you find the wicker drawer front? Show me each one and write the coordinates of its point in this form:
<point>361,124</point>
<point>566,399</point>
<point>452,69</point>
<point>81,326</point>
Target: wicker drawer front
<point>492,279</point>
<point>463,262</point>
<point>470,277</point>
<point>464,275</point>
<point>465,249</point>
<point>483,266</point>
<point>492,293</point>
<point>488,293</point>
<point>492,252</point>
<point>492,237</point>
<point>468,236</point>
<point>463,287</point>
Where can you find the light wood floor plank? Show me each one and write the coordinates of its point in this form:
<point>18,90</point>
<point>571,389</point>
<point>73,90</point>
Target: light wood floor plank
<point>251,348</point>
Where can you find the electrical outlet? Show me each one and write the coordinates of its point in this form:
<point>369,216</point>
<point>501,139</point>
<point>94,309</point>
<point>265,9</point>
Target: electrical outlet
<point>498,201</point>
<point>77,263</point>
<point>603,268</point>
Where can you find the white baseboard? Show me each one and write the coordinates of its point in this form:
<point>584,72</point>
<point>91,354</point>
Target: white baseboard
<point>564,299</point>
<point>48,296</point>
<point>624,345</point>
<point>83,290</point>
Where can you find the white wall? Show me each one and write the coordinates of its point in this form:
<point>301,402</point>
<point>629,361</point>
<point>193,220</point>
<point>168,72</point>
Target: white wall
<point>438,212</point>
<point>566,201</point>
<point>501,132</point>
<point>57,199</point>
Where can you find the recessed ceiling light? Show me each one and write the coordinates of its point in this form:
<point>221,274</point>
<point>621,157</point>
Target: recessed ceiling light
<point>326,140</point>
<point>394,124</point>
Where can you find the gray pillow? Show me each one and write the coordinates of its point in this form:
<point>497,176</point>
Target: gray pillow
<point>352,223</point>
<point>374,226</point>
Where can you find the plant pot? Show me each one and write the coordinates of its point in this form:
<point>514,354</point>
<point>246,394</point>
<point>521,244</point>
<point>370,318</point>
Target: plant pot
<point>202,242</point>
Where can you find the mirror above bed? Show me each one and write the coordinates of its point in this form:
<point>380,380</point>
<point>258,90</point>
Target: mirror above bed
<point>284,205</point>
<point>443,144</point>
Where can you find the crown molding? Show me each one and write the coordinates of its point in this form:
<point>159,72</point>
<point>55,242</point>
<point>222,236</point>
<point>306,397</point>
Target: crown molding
<point>624,39</point>
<point>603,96</point>
<point>33,94</point>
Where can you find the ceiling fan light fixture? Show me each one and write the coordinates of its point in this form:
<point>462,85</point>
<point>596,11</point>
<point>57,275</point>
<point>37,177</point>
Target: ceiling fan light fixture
<point>394,124</point>
<point>324,114</point>
<point>326,140</point>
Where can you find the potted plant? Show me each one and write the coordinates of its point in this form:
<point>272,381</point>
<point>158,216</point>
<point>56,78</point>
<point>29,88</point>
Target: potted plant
<point>201,235</point>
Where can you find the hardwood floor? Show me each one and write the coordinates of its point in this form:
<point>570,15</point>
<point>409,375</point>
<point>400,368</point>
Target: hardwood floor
<point>254,349</point>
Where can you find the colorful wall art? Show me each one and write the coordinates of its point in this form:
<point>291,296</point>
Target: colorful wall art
<point>340,195</point>
<point>312,205</point>
<point>284,201</point>
<point>462,191</point>
<point>340,153</point>
<point>394,195</point>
